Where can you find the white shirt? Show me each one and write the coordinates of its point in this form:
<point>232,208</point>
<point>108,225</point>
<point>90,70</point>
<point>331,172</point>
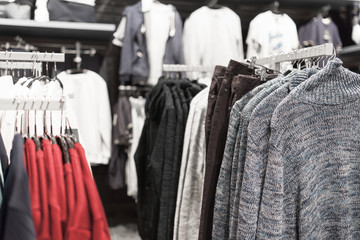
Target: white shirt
<point>212,37</point>
<point>271,34</point>
<point>138,118</point>
<point>87,94</point>
<point>355,35</point>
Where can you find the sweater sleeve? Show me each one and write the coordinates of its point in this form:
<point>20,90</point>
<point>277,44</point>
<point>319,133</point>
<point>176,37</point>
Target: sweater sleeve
<point>222,196</point>
<point>271,216</point>
<point>119,34</point>
<point>251,188</point>
<point>105,120</point>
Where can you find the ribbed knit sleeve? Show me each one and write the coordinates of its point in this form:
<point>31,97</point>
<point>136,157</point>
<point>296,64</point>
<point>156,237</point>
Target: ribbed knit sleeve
<point>257,150</point>
<point>222,197</point>
<point>238,173</point>
<point>271,217</point>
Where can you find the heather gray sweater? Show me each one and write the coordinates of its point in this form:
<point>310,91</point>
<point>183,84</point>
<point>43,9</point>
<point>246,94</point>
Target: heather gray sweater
<point>222,197</point>
<point>240,151</point>
<point>258,134</point>
<point>312,181</point>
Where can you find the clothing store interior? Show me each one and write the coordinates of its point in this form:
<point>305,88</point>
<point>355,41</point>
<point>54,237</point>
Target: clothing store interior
<point>179,119</point>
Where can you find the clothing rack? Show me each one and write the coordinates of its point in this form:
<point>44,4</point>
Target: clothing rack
<point>26,60</point>
<point>25,103</point>
<point>31,56</point>
<point>186,68</point>
<point>20,65</point>
<point>326,49</point>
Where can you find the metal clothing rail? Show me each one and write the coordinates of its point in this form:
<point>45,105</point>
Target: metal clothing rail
<point>20,65</point>
<point>32,104</point>
<point>32,56</point>
<point>186,68</point>
<point>29,60</point>
<point>326,49</point>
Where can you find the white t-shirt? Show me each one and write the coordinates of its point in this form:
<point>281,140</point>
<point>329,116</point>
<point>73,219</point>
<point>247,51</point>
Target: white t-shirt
<point>271,34</point>
<point>87,94</point>
<point>355,35</point>
<point>212,37</point>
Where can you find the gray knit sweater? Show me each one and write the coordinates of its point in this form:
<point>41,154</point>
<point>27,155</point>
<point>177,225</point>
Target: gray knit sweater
<point>258,134</point>
<point>222,197</point>
<point>312,181</point>
<point>240,152</point>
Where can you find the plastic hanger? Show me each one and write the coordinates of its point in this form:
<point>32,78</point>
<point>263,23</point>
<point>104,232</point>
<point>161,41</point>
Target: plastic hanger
<point>274,7</point>
<point>213,4</point>
<point>35,138</point>
<point>56,77</point>
<point>77,60</point>
<point>43,78</point>
<point>62,143</point>
<point>64,148</point>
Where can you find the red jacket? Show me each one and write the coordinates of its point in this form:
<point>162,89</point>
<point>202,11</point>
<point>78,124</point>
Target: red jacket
<point>34,186</point>
<point>45,221</point>
<point>54,204</point>
<point>80,221</point>
<point>100,228</point>
<point>60,183</point>
<point>70,193</point>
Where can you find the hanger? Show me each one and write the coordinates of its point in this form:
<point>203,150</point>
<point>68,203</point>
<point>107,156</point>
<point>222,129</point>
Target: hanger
<point>64,148</point>
<point>56,77</point>
<point>35,138</point>
<point>274,7</point>
<point>77,60</point>
<point>324,11</point>
<point>213,4</point>
<point>62,142</point>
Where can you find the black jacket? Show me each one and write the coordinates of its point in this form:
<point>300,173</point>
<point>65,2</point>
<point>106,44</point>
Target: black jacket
<point>158,156</point>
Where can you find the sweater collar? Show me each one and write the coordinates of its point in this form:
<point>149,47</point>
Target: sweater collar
<point>332,85</point>
<point>300,77</point>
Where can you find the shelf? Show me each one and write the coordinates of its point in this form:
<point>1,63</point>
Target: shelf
<point>55,29</point>
<point>291,2</point>
<point>350,56</point>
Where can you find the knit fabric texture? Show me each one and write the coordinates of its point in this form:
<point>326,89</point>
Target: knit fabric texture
<point>258,134</point>
<point>240,151</point>
<point>312,187</point>
<point>222,196</point>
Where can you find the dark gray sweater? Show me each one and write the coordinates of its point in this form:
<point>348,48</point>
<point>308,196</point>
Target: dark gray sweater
<point>312,181</point>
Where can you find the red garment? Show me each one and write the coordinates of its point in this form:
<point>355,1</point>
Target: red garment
<point>70,193</point>
<point>100,228</point>
<point>33,184</point>
<point>80,221</point>
<point>25,160</point>
<point>45,221</point>
<point>60,183</point>
<point>54,204</point>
